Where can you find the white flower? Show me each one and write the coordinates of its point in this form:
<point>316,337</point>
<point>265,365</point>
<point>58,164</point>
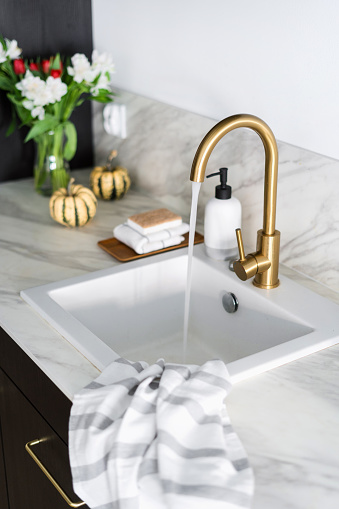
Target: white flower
<point>81,69</point>
<point>56,88</point>
<point>35,89</point>
<point>103,83</point>
<point>29,83</point>
<point>39,112</point>
<point>36,111</point>
<point>39,93</point>
<point>12,49</point>
<point>3,56</point>
<point>29,105</point>
<point>41,96</point>
<point>102,62</point>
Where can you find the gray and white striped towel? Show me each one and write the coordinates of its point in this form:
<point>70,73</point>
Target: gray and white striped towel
<point>159,436</point>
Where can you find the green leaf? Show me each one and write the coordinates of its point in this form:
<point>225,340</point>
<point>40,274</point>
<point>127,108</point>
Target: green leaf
<point>5,83</point>
<point>24,115</point>
<point>101,98</point>
<point>96,79</point>
<point>56,62</point>
<point>14,99</point>
<point>12,125</point>
<point>71,143</point>
<point>79,102</point>
<point>42,126</point>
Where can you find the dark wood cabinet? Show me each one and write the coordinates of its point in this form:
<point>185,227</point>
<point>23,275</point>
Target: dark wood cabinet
<point>23,484</point>
<point>3,482</point>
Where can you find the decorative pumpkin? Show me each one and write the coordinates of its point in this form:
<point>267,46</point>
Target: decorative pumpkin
<point>110,183</point>
<point>73,206</point>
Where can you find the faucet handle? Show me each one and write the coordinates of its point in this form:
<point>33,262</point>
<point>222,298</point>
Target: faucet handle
<point>245,267</point>
<point>248,266</point>
<point>240,245</point>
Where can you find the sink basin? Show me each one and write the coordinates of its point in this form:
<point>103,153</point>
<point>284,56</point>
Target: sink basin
<point>136,310</point>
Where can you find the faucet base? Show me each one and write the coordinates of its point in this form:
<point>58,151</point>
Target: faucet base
<point>265,287</point>
<point>268,246</point>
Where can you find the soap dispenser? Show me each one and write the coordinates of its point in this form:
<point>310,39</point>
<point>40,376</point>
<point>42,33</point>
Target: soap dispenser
<point>222,218</point>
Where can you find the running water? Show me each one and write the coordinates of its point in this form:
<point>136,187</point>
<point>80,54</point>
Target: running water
<point>193,219</point>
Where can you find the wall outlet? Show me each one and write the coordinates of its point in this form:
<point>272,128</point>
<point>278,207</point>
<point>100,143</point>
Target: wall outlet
<point>115,120</point>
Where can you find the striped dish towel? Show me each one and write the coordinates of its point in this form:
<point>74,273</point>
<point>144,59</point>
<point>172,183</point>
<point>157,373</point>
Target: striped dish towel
<point>159,436</point>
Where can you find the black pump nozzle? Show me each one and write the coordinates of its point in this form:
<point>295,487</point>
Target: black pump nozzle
<point>222,192</point>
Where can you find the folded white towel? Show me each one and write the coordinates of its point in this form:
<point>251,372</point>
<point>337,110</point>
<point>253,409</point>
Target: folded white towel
<point>153,241</point>
<point>159,436</point>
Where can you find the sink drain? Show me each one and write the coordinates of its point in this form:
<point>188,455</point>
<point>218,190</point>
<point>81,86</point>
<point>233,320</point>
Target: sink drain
<point>230,302</point>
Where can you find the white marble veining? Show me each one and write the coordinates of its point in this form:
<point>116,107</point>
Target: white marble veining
<point>159,151</point>
<point>287,418</point>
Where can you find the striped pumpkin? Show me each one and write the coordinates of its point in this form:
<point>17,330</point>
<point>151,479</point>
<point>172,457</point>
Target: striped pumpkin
<point>73,206</point>
<point>109,183</point>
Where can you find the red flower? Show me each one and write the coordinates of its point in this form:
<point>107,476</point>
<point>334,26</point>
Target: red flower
<point>33,66</point>
<point>48,68</point>
<point>45,66</point>
<point>19,66</point>
<point>56,73</point>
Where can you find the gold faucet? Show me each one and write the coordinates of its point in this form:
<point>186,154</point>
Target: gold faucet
<point>264,263</point>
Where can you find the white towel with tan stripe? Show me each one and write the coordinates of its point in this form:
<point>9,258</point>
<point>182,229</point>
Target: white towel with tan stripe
<point>156,437</point>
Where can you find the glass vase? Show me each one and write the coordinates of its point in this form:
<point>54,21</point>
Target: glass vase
<point>51,169</point>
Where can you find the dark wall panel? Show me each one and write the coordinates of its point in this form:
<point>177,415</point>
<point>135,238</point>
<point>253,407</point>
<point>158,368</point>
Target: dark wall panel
<point>44,27</point>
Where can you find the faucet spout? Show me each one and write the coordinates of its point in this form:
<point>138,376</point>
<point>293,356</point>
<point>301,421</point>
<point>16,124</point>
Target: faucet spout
<point>264,263</point>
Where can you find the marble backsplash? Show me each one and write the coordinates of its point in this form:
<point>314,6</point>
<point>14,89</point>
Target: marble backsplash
<point>159,150</point>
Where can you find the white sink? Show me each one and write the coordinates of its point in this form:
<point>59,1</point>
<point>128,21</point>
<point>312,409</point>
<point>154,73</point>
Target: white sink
<point>136,310</point>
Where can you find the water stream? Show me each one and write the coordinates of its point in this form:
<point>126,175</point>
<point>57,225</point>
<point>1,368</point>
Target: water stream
<point>193,219</point>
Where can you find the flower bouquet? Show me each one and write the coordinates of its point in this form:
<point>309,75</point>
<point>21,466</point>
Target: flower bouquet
<point>44,94</point>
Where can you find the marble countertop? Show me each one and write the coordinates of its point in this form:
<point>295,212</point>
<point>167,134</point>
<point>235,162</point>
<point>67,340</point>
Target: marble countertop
<point>287,419</point>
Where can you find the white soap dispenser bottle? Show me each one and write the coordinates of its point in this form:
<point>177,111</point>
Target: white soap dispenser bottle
<point>222,217</point>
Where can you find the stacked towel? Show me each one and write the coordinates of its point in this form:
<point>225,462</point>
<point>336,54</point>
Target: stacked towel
<point>143,244</point>
<point>151,231</point>
<point>159,436</point>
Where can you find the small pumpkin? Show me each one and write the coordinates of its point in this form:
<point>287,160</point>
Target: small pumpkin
<point>73,206</point>
<point>108,182</point>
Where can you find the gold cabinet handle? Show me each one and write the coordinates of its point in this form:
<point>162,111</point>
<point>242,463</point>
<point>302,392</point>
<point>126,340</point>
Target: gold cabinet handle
<point>28,448</point>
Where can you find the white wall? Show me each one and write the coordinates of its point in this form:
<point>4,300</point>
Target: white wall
<point>277,60</point>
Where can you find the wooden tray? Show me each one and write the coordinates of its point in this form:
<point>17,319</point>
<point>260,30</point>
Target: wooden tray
<point>124,253</point>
